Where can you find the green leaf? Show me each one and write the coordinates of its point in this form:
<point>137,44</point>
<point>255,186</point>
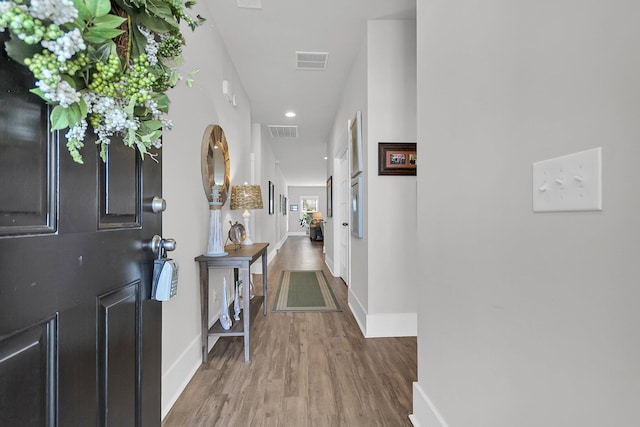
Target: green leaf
<point>83,12</point>
<point>153,124</point>
<point>131,138</point>
<point>38,92</point>
<point>84,110</point>
<point>138,42</point>
<point>19,50</point>
<point>129,108</point>
<point>103,52</point>
<point>100,35</point>
<point>108,21</point>
<point>156,24</point>
<point>163,102</point>
<point>59,118</point>
<point>161,9</point>
<point>98,7</point>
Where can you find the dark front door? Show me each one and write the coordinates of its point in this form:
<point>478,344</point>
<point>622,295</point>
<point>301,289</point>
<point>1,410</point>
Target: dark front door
<point>80,339</point>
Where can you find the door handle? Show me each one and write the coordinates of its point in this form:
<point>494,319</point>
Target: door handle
<point>158,204</point>
<point>158,243</point>
<point>344,224</point>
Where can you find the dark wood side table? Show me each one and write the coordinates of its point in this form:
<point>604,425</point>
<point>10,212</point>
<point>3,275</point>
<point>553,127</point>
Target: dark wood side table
<point>240,257</point>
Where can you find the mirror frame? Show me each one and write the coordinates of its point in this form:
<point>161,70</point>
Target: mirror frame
<point>213,135</point>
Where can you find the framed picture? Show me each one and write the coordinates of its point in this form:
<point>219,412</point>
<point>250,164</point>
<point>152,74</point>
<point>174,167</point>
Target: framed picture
<point>294,208</point>
<point>284,208</point>
<point>281,200</point>
<point>271,198</point>
<point>355,132</point>
<point>330,197</point>
<point>397,158</point>
<point>356,208</point>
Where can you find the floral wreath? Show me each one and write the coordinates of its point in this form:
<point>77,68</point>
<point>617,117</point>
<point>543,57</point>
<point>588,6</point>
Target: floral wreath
<point>104,63</point>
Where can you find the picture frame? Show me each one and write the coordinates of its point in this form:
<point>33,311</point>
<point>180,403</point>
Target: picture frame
<point>355,135</point>
<point>284,208</point>
<point>281,200</point>
<point>271,198</point>
<point>330,197</point>
<point>397,158</point>
<point>356,208</point>
<point>294,208</point>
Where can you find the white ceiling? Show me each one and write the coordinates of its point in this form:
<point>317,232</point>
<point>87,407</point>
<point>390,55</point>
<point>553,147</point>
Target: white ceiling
<point>263,43</point>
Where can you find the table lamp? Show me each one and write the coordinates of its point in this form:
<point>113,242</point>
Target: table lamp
<point>246,197</point>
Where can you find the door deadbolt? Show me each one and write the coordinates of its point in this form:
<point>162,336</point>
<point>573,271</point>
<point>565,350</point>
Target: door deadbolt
<point>158,204</point>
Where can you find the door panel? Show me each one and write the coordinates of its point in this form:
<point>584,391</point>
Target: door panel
<point>28,374</point>
<point>117,351</point>
<point>120,188</point>
<point>76,277</point>
<point>27,200</point>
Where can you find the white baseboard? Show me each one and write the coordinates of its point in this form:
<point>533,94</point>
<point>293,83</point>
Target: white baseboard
<point>176,378</point>
<point>392,325</point>
<point>425,413</point>
<point>329,263</point>
<point>383,324</point>
<point>281,242</point>
<point>358,311</point>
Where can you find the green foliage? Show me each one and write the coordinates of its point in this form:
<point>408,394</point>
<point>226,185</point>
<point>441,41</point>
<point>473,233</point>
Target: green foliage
<point>113,64</point>
<point>98,8</point>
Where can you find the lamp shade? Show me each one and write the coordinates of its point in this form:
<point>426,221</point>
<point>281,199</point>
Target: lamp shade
<point>246,197</point>
<point>317,215</point>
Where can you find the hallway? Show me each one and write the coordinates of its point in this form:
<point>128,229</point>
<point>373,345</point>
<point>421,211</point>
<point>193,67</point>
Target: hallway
<point>306,369</point>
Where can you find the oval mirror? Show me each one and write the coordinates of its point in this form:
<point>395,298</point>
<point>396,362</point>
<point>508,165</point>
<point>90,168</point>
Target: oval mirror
<point>215,163</point>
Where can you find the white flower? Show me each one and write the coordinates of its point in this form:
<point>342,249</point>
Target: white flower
<point>5,6</point>
<point>58,11</point>
<point>62,93</point>
<point>66,46</point>
<point>78,132</point>
<point>151,48</point>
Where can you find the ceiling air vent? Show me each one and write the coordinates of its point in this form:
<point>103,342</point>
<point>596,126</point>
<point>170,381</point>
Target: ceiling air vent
<point>311,60</point>
<point>249,4</point>
<point>278,131</point>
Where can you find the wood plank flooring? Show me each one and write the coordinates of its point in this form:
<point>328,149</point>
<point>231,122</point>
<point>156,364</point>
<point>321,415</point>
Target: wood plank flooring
<point>306,369</point>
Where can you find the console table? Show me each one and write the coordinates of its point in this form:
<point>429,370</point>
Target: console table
<point>240,257</point>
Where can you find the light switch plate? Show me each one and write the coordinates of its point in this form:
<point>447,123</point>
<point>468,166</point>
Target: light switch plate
<point>569,183</point>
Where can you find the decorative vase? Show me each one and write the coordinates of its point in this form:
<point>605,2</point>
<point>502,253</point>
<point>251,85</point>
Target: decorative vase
<point>225,319</point>
<point>215,246</point>
<point>236,303</point>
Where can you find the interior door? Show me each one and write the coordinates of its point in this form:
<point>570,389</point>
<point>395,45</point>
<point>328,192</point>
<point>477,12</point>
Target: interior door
<point>344,187</point>
<point>80,339</point>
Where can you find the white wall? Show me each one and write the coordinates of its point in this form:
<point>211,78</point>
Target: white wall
<point>354,99</point>
<point>268,228</point>
<point>391,200</point>
<point>526,319</point>
<point>295,193</point>
<point>382,85</point>
<point>187,216</point>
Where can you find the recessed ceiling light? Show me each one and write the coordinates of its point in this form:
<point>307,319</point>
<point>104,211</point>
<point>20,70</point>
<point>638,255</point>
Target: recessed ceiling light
<point>325,157</point>
<point>290,114</point>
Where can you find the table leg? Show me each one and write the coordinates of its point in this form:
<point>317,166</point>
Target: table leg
<point>204,310</point>
<point>246,280</point>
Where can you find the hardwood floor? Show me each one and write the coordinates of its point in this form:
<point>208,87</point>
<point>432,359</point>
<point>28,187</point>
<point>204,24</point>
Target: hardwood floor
<point>306,369</point>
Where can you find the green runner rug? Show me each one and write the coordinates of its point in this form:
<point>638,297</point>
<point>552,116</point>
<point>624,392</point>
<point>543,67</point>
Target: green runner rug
<point>302,291</point>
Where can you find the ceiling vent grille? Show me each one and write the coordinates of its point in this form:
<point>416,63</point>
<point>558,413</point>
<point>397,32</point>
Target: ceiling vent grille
<point>311,60</point>
<point>278,131</point>
<point>249,4</point>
